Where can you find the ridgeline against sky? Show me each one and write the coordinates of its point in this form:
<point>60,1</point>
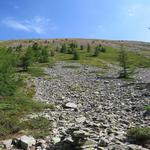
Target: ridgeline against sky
<point>104,19</point>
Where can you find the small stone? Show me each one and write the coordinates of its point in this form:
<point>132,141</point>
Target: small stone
<point>105,82</point>
<point>103,142</point>
<point>71,105</point>
<point>56,140</point>
<point>89,144</point>
<point>81,119</point>
<point>96,93</point>
<point>80,133</point>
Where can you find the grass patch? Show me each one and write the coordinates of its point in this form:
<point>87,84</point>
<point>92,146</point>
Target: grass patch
<point>39,127</point>
<point>14,107</point>
<point>135,60</point>
<point>36,71</point>
<point>139,135</point>
<point>71,67</point>
<point>147,108</point>
<point>49,78</point>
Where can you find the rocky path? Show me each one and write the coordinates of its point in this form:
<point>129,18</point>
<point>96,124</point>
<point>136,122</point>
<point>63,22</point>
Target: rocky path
<point>92,105</point>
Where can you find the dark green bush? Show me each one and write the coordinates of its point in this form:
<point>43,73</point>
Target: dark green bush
<point>27,59</point>
<point>139,134</point>
<point>8,80</point>
<point>96,52</point>
<point>88,48</point>
<point>43,58</point>
<point>76,55</point>
<point>63,48</point>
<point>8,125</point>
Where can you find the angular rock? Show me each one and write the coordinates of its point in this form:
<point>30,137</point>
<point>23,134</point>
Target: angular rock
<point>80,134</point>
<point>103,142</point>
<point>7,144</point>
<point>27,141</point>
<point>89,144</point>
<point>118,147</point>
<point>146,114</point>
<point>136,147</point>
<point>81,120</point>
<point>56,140</point>
<point>71,105</point>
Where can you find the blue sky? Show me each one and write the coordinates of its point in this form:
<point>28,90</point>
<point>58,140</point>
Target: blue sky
<point>102,19</point>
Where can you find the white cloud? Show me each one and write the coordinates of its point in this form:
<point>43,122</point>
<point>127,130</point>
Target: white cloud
<point>131,12</point>
<point>138,10</point>
<point>38,25</point>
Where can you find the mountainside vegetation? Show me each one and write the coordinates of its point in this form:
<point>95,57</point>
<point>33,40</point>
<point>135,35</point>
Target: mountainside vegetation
<point>20,61</point>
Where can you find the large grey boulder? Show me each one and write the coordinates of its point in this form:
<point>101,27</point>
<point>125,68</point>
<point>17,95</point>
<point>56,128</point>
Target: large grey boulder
<point>27,141</point>
<point>7,143</point>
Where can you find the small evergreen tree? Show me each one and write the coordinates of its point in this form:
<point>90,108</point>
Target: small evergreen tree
<point>44,55</point>
<point>8,82</point>
<point>19,48</point>
<point>57,49</point>
<point>76,55</point>
<point>103,49</point>
<point>73,45</point>
<point>36,50</point>
<point>97,51</point>
<point>26,60</point>
<point>35,46</point>
<point>81,47</point>
<point>88,48</point>
<point>70,50</point>
<point>52,53</point>
<point>123,60</point>
<point>63,48</point>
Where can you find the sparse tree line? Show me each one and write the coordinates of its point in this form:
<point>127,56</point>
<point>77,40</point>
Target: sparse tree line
<point>74,49</point>
<point>36,53</point>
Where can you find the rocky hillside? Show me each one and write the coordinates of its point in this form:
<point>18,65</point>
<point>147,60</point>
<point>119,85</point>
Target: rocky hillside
<point>133,45</point>
<point>93,108</point>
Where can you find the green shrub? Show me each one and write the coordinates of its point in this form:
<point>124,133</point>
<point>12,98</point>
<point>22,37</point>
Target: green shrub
<point>52,53</point>
<point>76,55</point>
<point>88,48</point>
<point>123,61</point>
<point>8,125</point>
<point>43,58</point>
<point>147,108</point>
<point>63,48</point>
<point>8,80</point>
<point>96,52</point>
<point>39,127</point>
<point>139,134</point>
<point>103,49</point>
<point>27,59</point>
<point>81,47</point>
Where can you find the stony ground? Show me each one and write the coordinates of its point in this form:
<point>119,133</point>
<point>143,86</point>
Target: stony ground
<point>92,105</point>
